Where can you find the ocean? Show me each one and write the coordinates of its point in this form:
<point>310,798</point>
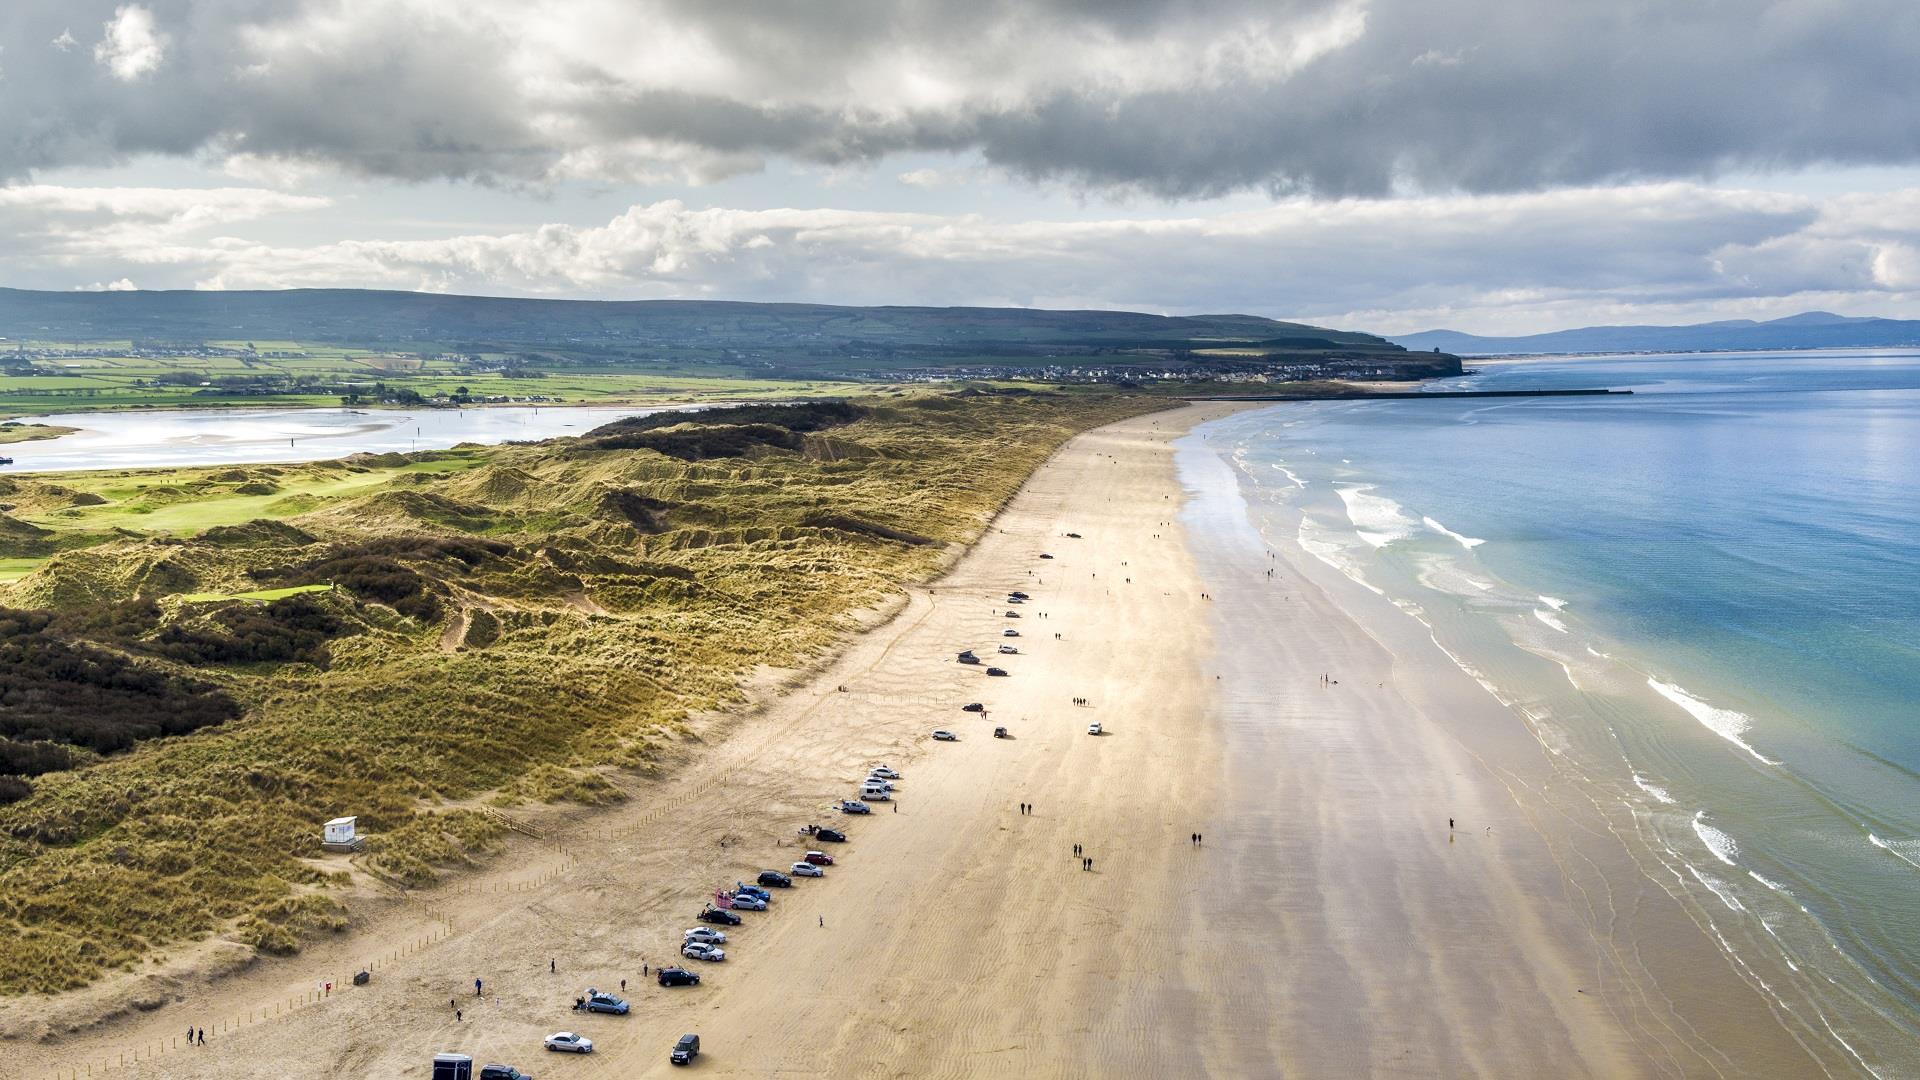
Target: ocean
<point>1703,599</point>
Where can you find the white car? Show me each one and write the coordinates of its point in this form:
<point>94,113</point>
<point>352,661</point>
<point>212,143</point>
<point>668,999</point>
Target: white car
<point>700,950</point>
<point>807,869</point>
<point>1009,632</point>
<point>569,1042</point>
<point>744,902</point>
<point>876,782</point>
<point>1093,728</point>
<point>943,735</point>
<point>884,773</point>
<point>1010,650</point>
<point>706,934</point>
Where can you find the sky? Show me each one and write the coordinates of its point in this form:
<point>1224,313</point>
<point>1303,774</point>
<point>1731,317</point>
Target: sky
<point>1494,166</point>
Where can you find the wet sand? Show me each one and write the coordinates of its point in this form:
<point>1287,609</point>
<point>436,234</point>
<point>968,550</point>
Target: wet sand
<point>1329,925</point>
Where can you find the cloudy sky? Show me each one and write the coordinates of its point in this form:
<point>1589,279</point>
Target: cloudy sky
<point>1389,165</point>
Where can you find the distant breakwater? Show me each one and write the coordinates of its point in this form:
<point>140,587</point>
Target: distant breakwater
<point>1361,395</point>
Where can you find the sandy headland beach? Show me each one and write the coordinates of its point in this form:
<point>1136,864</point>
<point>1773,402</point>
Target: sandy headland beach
<point>1328,922</point>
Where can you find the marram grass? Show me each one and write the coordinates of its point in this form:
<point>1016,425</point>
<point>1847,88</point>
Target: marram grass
<point>636,590</point>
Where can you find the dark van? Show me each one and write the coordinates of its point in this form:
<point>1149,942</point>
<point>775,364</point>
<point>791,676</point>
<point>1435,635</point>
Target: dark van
<point>685,1050</point>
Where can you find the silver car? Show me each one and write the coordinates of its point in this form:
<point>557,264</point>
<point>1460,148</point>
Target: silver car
<point>807,869</point>
<point>570,1043</point>
<point>700,950</point>
<point>707,934</point>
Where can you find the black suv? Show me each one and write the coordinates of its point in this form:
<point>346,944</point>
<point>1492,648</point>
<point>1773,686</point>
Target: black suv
<point>502,1072</point>
<point>678,976</point>
<point>831,836</point>
<point>685,1050</point>
<point>774,879</point>
<point>717,915</point>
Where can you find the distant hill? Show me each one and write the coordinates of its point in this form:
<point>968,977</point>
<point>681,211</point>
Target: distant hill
<point>1809,330</point>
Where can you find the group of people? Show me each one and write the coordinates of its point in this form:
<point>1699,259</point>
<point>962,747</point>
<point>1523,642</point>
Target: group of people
<point>1082,701</point>
<point>196,1036</point>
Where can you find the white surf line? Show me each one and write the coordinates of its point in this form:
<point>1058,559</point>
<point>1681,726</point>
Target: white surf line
<point>1726,723</point>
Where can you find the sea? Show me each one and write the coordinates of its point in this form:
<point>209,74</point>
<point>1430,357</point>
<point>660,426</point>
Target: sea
<point>1704,599</point>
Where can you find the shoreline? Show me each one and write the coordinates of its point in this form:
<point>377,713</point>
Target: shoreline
<point>1524,941</point>
<point>960,933</point>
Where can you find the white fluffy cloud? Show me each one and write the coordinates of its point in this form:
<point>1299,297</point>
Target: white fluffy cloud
<point>1489,263</point>
<point>131,47</point>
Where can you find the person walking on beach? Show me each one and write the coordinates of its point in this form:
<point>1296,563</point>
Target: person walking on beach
<point>476,988</point>
<point>457,1017</point>
<point>1449,824</point>
<point>203,1036</point>
<point>553,962</point>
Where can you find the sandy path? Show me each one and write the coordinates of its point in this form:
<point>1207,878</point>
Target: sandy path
<point>1327,927</point>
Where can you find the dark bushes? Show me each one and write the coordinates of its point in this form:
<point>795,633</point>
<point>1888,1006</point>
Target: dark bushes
<point>289,629</point>
<point>374,570</point>
<point>702,443</point>
<point>56,690</point>
<point>803,417</point>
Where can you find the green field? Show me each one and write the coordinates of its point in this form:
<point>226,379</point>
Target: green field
<point>104,375</point>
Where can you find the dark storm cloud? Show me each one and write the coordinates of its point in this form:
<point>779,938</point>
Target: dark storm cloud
<point>1171,97</point>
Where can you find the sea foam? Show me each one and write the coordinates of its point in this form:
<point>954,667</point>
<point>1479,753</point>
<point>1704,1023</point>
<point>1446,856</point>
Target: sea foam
<point>1550,619</point>
<point>1378,519</point>
<point>1718,842</point>
<point>1659,793</point>
<point>1375,517</point>
<point>1894,847</point>
<point>1726,723</point>
<point>1468,542</point>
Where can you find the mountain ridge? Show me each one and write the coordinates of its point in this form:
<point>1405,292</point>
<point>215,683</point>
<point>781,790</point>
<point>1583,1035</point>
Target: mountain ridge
<point>1806,330</point>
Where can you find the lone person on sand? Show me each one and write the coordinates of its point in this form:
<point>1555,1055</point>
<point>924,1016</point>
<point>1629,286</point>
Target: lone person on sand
<point>476,988</point>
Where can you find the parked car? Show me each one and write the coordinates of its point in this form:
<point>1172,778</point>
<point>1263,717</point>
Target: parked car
<point>721,916</point>
<point>1018,595</point>
<point>884,773</point>
<point>754,891</point>
<point>973,706</point>
<point>943,735</point>
<point>1094,728</point>
<point>967,657</point>
<point>1009,632</point>
<point>707,934</point>
<point>831,836</point>
<point>1013,614</point>
<point>1044,555</point>
<point>999,671</point>
<point>854,806</point>
<point>685,1050</point>
<point>819,858</point>
<point>1010,650</point>
<point>1074,536</point>
<point>775,879</point>
<point>748,902</point>
<point>598,1002</point>
<point>700,950</point>
<point>678,976</point>
<point>570,1043</point>
<point>1015,600</point>
<point>1001,733</point>
<point>875,794</point>
<point>807,869</point>
<point>503,1072</point>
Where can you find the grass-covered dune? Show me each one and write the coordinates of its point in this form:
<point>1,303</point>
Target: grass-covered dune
<point>183,701</point>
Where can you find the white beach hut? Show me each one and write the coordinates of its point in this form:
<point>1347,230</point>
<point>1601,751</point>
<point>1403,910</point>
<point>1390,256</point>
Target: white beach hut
<point>342,834</point>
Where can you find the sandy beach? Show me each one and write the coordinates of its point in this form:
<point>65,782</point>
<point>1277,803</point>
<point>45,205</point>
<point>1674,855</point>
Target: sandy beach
<point>1330,924</point>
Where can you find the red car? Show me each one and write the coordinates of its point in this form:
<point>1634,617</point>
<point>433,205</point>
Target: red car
<point>819,858</point>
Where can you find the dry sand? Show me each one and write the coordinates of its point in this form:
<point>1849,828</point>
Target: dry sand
<point>1329,926</point>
